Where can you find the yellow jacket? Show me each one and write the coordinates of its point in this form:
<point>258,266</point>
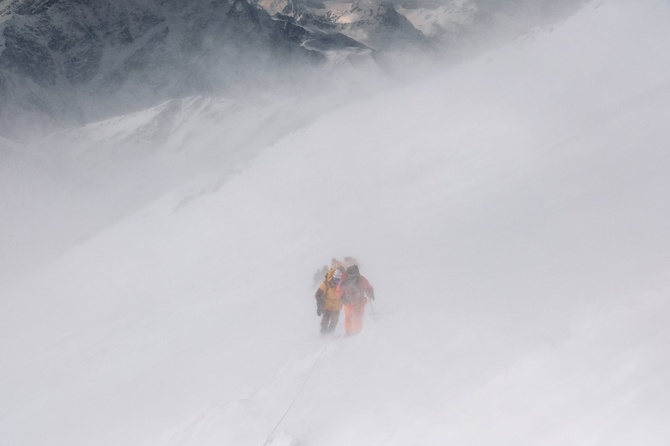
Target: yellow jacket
<point>328,294</point>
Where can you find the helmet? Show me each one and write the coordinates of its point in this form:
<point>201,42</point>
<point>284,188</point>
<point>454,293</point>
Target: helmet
<point>352,271</point>
<point>337,275</point>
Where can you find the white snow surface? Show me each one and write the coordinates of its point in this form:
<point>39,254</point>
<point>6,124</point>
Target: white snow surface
<point>511,213</point>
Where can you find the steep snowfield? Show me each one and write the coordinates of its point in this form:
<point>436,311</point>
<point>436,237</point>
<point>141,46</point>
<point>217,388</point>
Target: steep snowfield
<point>511,214</point>
<point>39,194</point>
<point>63,188</point>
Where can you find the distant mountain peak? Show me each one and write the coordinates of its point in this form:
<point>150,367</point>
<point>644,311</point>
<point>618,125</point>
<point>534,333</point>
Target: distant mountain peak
<point>69,61</point>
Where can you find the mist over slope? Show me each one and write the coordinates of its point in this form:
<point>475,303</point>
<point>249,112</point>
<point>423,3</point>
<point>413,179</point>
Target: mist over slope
<point>510,212</point>
<point>67,63</point>
<point>65,187</point>
<point>73,62</point>
<point>183,66</point>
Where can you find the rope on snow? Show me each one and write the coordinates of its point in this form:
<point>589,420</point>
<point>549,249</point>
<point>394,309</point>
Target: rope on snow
<point>302,387</point>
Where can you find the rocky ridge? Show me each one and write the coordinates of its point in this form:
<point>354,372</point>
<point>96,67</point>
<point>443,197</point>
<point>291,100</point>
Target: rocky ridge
<point>69,61</point>
<point>65,62</point>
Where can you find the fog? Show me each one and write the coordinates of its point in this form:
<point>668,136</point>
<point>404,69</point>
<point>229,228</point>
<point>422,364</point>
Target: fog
<point>60,189</point>
<point>510,211</point>
<point>97,146</point>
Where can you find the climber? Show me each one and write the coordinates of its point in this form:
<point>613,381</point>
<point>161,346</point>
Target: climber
<point>329,301</point>
<point>354,290</point>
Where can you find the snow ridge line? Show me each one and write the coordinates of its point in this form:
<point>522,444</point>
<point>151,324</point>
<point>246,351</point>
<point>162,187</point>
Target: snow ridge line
<point>302,387</point>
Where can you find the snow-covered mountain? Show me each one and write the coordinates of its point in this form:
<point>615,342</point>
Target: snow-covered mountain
<point>69,62</point>
<point>511,213</point>
<point>375,24</point>
<point>72,60</point>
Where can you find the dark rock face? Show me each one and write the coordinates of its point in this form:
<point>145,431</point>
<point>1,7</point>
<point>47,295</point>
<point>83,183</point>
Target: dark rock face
<point>26,56</point>
<point>70,61</point>
<point>389,28</point>
<point>61,59</point>
<point>34,7</point>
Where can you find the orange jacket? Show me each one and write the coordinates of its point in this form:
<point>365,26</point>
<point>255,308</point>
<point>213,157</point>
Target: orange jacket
<point>355,291</point>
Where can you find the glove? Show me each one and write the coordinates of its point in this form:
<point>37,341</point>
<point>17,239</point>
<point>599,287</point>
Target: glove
<point>318,311</point>
<point>372,297</point>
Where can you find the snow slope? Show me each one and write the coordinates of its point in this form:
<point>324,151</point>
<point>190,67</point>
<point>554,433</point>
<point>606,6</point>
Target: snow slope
<point>62,189</point>
<point>511,214</point>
